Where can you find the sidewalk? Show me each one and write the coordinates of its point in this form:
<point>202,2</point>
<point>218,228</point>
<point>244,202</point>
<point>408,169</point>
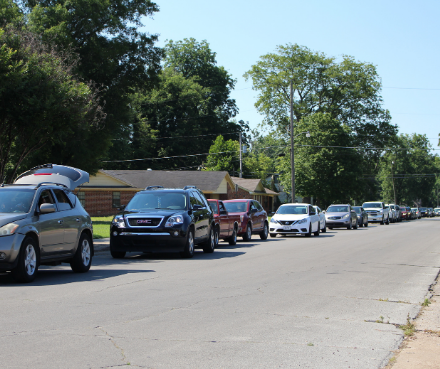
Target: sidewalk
<point>101,244</point>
<point>422,350</point>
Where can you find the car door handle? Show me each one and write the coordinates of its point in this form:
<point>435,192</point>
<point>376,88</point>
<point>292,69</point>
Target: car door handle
<point>60,222</point>
<point>77,219</point>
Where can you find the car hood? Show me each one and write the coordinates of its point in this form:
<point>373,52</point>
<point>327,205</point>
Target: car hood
<point>162,213</point>
<point>335,214</point>
<point>289,216</point>
<point>54,173</point>
<point>6,218</point>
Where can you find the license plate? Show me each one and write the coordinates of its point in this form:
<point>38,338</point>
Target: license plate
<point>286,228</point>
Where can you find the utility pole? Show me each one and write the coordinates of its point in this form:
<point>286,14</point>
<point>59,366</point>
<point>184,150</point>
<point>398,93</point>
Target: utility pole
<point>292,155</point>
<point>392,175</point>
<point>241,163</point>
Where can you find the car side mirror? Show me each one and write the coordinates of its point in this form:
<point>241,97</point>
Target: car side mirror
<point>197,207</point>
<point>47,208</point>
<point>122,207</point>
<point>323,212</point>
<point>254,210</point>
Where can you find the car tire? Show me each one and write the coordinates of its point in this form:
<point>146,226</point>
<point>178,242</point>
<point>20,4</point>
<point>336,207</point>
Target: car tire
<point>188,251</point>
<point>318,231</point>
<point>350,226</point>
<point>388,221</point>
<point>248,234</point>
<point>309,233</point>
<point>366,224</point>
<point>82,260</point>
<point>216,236</point>
<point>264,233</point>
<point>28,260</point>
<point>233,239</point>
<point>209,245</point>
<point>355,225</point>
<point>382,222</point>
<point>273,235</point>
<point>117,254</point>
<point>325,228</point>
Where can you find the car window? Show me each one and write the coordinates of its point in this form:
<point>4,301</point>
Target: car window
<point>257,205</point>
<point>63,201</point>
<point>198,199</point>
<point>292,209</point>
<point>203,198</point>
<point>157,200</point>
<point>46,197</point>
<point>222,207</point>
<point>213,205</point>
<point>16,201</point>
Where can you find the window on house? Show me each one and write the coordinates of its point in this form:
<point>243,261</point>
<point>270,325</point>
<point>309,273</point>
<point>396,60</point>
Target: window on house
<point>82,198</point>
<point>116,201</point>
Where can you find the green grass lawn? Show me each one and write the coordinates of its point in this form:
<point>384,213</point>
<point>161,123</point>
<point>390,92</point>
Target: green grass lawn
<point>101,227</point>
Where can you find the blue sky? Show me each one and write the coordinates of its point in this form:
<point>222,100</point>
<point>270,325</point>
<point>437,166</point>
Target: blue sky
<point>401,38</point>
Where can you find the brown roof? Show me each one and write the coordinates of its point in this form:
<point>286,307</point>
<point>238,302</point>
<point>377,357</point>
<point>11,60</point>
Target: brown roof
<point>207,181</point>
<point>252,185</point>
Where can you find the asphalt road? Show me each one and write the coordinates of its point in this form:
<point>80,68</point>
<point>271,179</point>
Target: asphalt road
<point>331,301</point>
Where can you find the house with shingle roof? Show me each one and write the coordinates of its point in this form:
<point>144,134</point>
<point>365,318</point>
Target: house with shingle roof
<point>109,189</point>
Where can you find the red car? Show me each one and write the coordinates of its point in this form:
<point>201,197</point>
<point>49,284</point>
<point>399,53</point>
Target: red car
<point>404,212</point>
<point>253,218</point>
<point>226,225</point>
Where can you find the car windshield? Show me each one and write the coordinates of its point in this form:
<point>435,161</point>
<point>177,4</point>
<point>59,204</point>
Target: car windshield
<point>236,206</point>
<point>157,200</point>
<point>15,200</point>
<point>372,205</point>
<point>292,209</point>
<point>337,209</point>
<point>213,205</point>
<point>422,209</point>
<point>357,209</point>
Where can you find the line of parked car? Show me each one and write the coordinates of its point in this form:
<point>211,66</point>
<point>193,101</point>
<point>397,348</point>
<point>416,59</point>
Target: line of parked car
<point>43,223</point>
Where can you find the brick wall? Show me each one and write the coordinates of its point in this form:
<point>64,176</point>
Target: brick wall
<point>100,203</point>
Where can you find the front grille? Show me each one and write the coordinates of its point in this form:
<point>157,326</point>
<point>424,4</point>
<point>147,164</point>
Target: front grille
<point>287,222</point>
<point>334,218</point>
<point>144,221</point>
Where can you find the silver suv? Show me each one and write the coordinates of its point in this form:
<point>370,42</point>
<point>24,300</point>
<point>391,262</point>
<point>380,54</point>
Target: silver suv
<point>43,223</point>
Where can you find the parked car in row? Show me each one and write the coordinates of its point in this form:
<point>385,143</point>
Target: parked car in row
<point>43,223</point>
<point>377,212</point>
<point>341,215</point>
<point>226,225</point>
<point>253,218</point>
<point>162,219</point>
<point>362,216</point>
<point>322,222</point>
<point>295,218</point>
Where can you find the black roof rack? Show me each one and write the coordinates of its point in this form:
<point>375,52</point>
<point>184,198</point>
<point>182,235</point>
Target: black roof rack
<point>154,187</point>
<point>189,187</point>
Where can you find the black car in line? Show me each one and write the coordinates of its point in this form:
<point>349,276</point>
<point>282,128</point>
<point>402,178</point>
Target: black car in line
<point>161,220</point>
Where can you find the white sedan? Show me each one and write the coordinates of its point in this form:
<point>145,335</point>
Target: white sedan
<point>295,219</point>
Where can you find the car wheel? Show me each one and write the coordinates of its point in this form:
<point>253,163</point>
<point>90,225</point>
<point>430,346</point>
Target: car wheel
<point>82,260</point>
<point>366,224</point>
<point>309,233</point>
<point>273,235</point>
<point>317,231</point>
<point>248,234</point>
<point>382,222</point>
<point>216,236</point>
<point>325,228</point>
<point>27,266</point>
<point>188,251</point>
<point>117,254</point>
<point>350,226</point>
<point>209,245</point>
<point>388,221</point>
<point>264,232</point>
<point>355,225</point>
<point>233,239</point>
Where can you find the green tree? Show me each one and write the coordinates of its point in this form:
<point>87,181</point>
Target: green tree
<point>113,53</point>
<point>225,155</point>
<point>408,171</point>
<point>329,174</point>
<point>41,102</point>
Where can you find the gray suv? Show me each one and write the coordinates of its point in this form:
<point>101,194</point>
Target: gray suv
<point>341,215</point>
<point>43,223</point>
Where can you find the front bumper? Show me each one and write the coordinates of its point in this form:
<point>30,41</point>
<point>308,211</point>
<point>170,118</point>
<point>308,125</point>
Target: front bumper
<point>10,248</point>
<point>158,240</point>
<point>301,228</point>
<point>335,223</point>
<point>375,218</point>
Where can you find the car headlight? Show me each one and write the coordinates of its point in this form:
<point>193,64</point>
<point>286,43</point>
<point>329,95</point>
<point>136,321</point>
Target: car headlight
<point>302,221</point>
<point>345,216</point>
<point>119,221</point>
<point>274,221</point>
<point>8,229</point>
<point>174,220</point>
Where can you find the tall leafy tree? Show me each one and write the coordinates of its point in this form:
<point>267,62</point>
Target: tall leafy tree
<point>41,103</point>
<point>113,53</point>
<point>407,172</point>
